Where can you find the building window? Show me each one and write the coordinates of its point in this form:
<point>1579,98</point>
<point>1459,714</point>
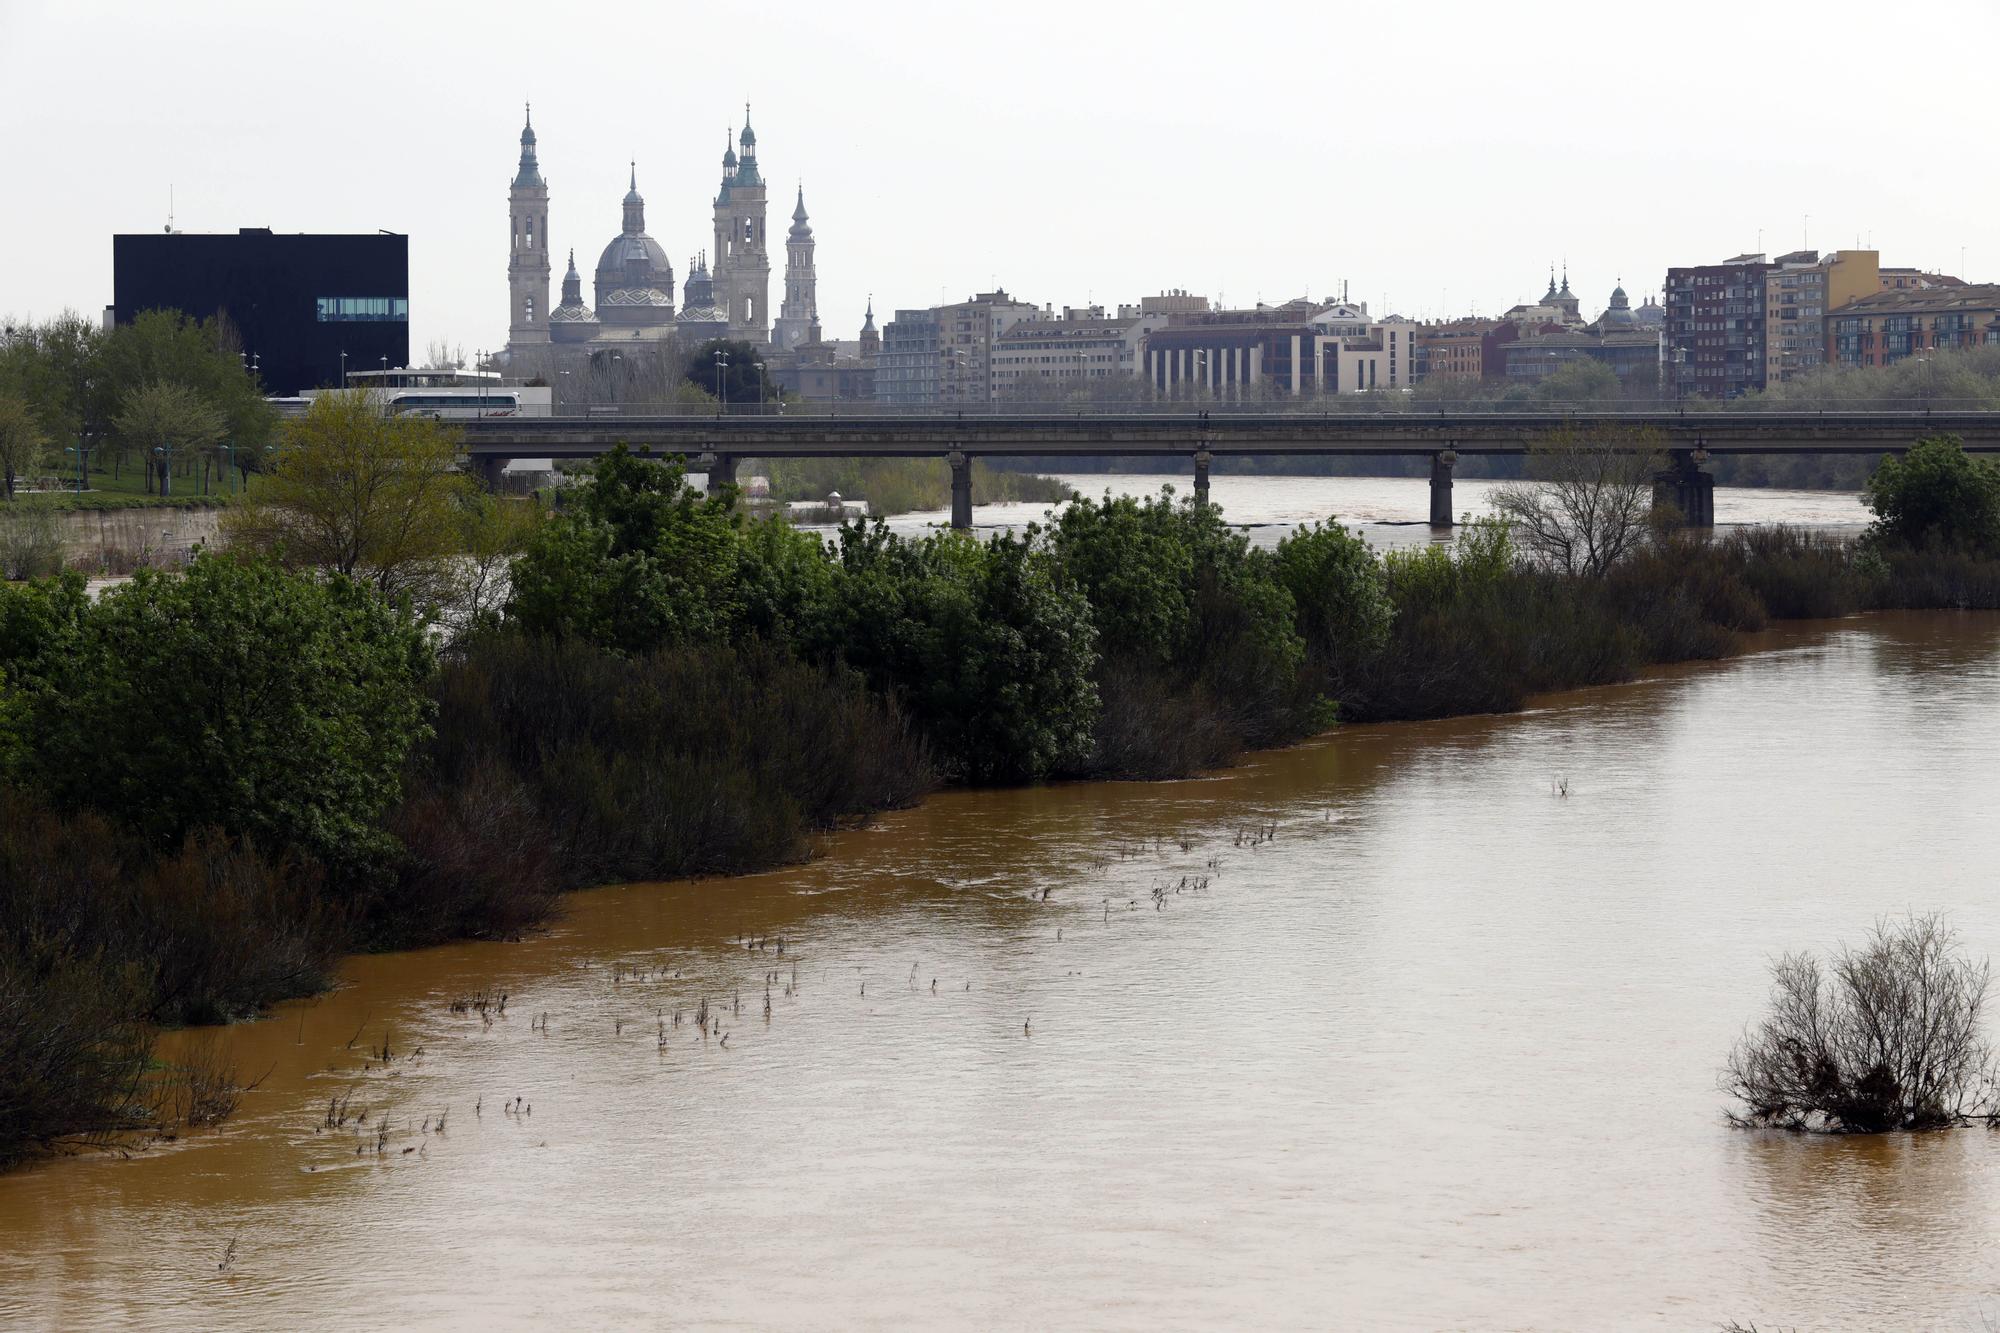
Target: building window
<point>531,310</point>
<point>348,309</point>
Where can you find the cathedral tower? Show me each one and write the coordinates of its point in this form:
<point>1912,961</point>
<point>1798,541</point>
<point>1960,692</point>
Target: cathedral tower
<point>801,305</point>
<point>871,337</point>
<point>528,248</point>
<point>742,263</point>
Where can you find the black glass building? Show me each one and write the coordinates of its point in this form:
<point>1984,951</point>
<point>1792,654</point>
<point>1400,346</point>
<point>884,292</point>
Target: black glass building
<point>298,302</point>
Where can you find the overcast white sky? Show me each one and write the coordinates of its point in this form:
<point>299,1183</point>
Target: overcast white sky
<point>1436,156</point>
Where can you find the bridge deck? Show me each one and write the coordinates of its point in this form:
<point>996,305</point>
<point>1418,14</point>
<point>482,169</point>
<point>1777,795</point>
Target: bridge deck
<point>804,435</point>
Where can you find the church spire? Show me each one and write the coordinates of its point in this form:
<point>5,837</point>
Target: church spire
<point>799,227</point>
<point>635,206</point>
<point>530,173</point>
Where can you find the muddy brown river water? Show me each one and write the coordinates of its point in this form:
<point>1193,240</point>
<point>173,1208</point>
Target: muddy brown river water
<point>1430,1046</point>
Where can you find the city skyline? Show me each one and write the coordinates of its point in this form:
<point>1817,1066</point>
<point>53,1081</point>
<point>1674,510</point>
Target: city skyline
<point>1420,177</point>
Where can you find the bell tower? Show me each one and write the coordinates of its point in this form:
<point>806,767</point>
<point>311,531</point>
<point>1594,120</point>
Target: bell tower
<point>801,307</point>
<point>528,248</point>
<point>748,284</point>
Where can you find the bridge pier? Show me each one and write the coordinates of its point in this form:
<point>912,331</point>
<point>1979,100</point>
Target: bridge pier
<point>721,470</point>
<point>1441,466</point>
<point>1687,488</point>
<point>961,490</point>
<point>1202,458</point>
<point>489,470</point>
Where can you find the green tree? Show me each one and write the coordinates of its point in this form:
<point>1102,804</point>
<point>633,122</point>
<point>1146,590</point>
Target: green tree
<point>237,696</point>
<point>988,647</point>
<point>204,356</point>
<point>1936,495</point>
<point>373,497</point>
<point>21,441</point>
<point>1339,596</point>
<point>1584,383</point>
<point>637,561</point>
<point>164,420</point>
<point>1175,590</point>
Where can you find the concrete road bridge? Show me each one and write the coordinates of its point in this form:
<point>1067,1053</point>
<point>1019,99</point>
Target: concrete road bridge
<point>714,442</point>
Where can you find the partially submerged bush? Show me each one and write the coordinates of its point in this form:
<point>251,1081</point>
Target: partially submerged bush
<point>1885,1037</point>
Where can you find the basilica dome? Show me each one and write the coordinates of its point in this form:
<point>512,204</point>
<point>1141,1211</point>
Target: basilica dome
<point>635,282</point>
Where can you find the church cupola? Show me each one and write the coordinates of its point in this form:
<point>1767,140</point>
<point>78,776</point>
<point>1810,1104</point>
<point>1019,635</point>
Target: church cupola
<point>746,168</point>
<point>800,228</point>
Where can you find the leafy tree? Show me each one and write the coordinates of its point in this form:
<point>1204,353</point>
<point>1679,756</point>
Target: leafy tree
<point>166,419</point>
<point>235,695</point>
<point>1342,605</point>
<point>987,645</point>
<point>786,582</point>
<point>374,497</point>
<point>1936,495</point>
<point>204,356</point>
<point>1175,590</point>
<point>21,441</point>
<point>637,561</point>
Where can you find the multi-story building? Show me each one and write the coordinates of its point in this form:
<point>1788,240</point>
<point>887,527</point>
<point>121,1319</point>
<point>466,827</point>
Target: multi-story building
<point>906,367</point>
<point>1266,350</point>
<point>1715,327</point>
<point>1886,327</point>
<point>1914,280</point>
<point>1798,292</point>
<point>1621,339</point>
<point>1043,355</point>
<point>307,308</point>
<point>1466,350</point>
<point>967,333</point>
<point>1382,357</point>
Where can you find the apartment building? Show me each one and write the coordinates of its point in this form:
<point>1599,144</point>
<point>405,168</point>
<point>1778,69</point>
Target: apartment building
<point>1715,327</point>
<point>1886,327</point>
<point>1799,291</point>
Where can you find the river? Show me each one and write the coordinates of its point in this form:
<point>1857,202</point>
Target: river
<point>1410,1041</point>
<point>1388,511</point>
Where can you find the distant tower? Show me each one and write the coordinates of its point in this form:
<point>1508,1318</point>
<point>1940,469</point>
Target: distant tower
<point>801,308</point>
<point>742,263</point>
<point>528,248</point>
<point>871,338</point>
<point>724,225</point>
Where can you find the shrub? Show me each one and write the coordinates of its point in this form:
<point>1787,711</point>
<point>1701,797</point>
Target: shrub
<point>1887,1037</point>
<point>987,646</point>
<point>1936,495</point>
<point>682,762</point>
<point>274,706</point>
<point>1339,596</point>
<point>636,561</point>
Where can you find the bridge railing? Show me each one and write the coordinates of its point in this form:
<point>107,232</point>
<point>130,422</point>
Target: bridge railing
<point>1329,406</point>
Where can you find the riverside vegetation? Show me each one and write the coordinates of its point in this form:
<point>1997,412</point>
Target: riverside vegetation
<point>211,784</point>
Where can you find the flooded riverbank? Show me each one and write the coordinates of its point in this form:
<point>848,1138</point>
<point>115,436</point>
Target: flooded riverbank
<point>1380,1031</point>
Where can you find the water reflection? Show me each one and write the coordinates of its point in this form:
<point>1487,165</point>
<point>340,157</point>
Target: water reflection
<point>1382,1031</point>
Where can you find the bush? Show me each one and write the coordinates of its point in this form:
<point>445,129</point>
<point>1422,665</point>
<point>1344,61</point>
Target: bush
<point>1889,1037</point>
<point>1936,496</point>
<point>274,706</point>
<point>637,561</point>
<point>1339,596</point>
<point>986,646</point>
<point>1182,602</point>
<point>683,762</point>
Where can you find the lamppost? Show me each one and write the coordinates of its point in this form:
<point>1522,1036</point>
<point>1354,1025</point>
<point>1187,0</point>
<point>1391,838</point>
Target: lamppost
<point>229,477</point>
<point>81,467</point>
<point>617,369</point>
<point>721,382</point>
<point>166,453</point>
<point>565,388</point>
<point>1201,367</point>
<point>343,370</point>
<point>761,390</point>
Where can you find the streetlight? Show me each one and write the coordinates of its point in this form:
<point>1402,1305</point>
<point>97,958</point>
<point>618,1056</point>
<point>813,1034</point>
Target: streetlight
<point>166,452</point>
<point>722,383</point>
<point>343,370</point>
<point>227,477</point>
<point>565,388</point>
<point>617,364</point>
<point>81,467</point>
